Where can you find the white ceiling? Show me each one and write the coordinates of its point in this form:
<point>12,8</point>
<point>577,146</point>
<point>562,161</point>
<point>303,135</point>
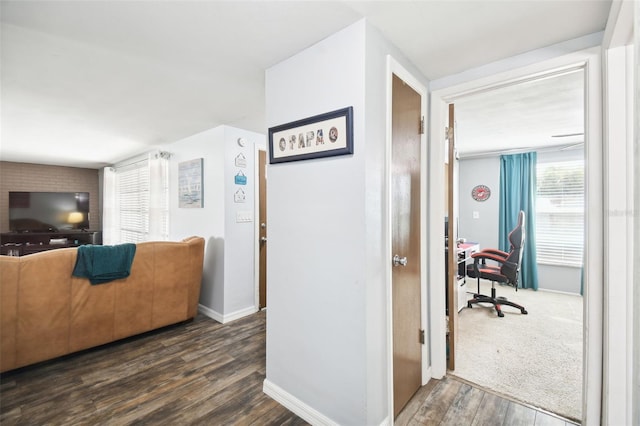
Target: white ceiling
<point>530,115</point>
<point>90,83</point>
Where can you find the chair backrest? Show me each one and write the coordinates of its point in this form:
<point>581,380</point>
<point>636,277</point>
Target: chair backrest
<point>511,268</point>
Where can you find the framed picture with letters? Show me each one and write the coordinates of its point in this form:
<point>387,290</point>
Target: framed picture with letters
<point>323,135</point>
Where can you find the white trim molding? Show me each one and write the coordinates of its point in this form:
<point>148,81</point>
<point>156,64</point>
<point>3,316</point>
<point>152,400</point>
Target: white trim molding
<point>619,218</point>
<point>301,409</point>
<point>221,318</point>
<point>295,405</point>
<point>590,61</point>
<point>620,171</point>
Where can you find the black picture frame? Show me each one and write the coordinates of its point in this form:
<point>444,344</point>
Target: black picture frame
<point>324,135</point>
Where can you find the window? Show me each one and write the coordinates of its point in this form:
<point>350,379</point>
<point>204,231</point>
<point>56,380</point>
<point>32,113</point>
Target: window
<point>133,199</point>
<point>560,213</point>
<point>139,200</point>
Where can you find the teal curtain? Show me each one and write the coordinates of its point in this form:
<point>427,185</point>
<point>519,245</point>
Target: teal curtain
<point>518,192</point>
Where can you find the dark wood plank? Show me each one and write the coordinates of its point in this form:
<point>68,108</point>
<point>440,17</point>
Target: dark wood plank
<point>407,413</point>
<point>492,411</point>
<point>464,406</point>
<point>519,415</point>
<point>453,401</point>
<point>437,403</point>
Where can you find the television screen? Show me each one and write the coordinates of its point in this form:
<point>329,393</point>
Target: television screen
<point>48,211</point>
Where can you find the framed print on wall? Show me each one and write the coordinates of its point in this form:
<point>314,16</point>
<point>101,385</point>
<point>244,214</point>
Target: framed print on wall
<point>323,135</point>
<point>190,184</point>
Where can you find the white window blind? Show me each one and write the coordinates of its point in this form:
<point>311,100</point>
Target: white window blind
<point>560,213</point>
<point>133,197</point>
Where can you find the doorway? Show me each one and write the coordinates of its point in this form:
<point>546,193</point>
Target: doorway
<point>405,176</point>
<point>405,242</point>
<point>589,61</point>
<point>544,116</point>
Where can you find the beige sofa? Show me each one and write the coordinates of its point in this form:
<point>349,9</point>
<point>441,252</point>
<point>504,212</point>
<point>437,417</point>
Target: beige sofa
<point>45,312</point>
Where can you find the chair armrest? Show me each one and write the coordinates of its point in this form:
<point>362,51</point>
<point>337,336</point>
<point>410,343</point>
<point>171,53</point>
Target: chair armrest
<point>484,254</point>
<point>496,252</point>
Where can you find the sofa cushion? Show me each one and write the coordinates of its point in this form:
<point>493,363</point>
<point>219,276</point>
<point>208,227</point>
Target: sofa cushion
<point>44,305</point>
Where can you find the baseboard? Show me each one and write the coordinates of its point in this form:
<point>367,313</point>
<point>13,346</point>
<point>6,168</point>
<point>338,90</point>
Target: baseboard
<point>239,314</point>
<point>386,422</point>
<point>210,313</point>
<point>296,406</point>
<point>228,317</point>
<point>427,374</point>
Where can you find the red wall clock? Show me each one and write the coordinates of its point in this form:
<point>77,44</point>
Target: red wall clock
<point>481,192</point>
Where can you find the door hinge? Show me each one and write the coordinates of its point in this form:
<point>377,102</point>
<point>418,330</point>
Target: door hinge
<point>422,337</point>
<point>448,133</point>
<point>422,125</point>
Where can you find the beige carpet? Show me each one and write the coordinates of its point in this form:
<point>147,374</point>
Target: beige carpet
<point>535,358</point>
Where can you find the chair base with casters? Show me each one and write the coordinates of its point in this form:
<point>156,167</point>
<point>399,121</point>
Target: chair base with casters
<point>496,301</point>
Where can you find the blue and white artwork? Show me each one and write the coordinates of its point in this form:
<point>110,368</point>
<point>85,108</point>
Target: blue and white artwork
<point>190,184</point>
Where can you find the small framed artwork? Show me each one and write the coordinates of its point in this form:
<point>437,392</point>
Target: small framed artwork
<point>323,135</point>
<point>190,184</point>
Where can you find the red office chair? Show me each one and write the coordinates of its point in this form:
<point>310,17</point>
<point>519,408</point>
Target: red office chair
<point>506,271</point>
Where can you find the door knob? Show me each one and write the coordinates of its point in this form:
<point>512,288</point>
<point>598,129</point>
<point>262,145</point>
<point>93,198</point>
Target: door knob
<point>263,239</point>
<point>399,261</point>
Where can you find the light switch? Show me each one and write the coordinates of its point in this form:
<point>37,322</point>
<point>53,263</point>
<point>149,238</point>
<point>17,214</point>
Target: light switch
<point>244,216</point>
<point>476,215</point>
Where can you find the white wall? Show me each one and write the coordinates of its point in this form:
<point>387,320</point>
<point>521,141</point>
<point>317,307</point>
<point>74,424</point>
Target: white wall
<point>484,229</point>
<point>207,222</point>
<point>326,321</point>
<point>228,288</point>
<point>316,274</point>
<point>239,262</point>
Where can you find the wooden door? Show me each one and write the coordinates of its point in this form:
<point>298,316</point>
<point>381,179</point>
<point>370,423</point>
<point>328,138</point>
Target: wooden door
<point>262,235</point>
<point>405,228</point>
<point>452,249</point>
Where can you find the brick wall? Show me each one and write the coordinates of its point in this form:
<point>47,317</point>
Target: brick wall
<point>43,178</point>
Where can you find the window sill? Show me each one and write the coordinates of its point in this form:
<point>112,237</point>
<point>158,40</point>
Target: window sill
<point>563,265</point>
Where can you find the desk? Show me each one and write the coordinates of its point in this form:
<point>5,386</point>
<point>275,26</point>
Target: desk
<point>464,252</point>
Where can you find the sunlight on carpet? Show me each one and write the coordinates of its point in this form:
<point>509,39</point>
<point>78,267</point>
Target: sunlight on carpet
<point>535,358</point>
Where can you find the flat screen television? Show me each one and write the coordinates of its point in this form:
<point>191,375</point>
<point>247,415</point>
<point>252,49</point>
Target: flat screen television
<point>48,211</point>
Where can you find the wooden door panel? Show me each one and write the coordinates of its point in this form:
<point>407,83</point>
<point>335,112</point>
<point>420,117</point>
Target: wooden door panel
<point>262,225</point>
<point>405,219</point>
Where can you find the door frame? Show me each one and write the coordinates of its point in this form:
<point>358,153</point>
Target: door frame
<point>394,67</point>
<point>590,61</point>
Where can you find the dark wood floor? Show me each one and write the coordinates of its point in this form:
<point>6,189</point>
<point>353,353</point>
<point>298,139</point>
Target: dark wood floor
<point>205,373</point>
<point>452,401</point>
<point>200,372</point>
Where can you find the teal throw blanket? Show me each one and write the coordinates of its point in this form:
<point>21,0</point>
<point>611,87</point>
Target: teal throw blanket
<point>101,264</point>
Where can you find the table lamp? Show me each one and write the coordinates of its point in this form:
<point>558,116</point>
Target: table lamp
<point>75,218</point>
